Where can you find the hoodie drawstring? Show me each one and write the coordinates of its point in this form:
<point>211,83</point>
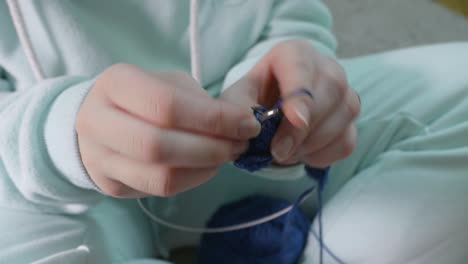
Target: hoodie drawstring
<point>194,47</point>
<point>33,61</point>
<point>24,39</point>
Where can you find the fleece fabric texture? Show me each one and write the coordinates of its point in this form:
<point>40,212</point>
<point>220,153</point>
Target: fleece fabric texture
<point>40,166</point>
<point>75,41</point>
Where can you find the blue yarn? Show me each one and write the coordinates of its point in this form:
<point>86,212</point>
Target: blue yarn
<point>280,241</point>
<point>258,154</point>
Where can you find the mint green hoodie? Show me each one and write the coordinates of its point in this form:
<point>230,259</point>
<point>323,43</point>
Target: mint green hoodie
<point>74,41</point>
<point>51,51</point>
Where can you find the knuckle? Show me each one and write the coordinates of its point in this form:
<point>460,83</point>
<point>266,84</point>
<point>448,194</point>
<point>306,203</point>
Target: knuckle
<point>182,76</point>
<point>221,154</point>
<point>312,142</point>
<point>159,183</point>
<point>179,79</point>
<point>149,147</point>
<point>151,183</point>
<point>336,78</point>
<point>317,163</point>
<point>280,51</point>
<point>210,173</point>
<point>348,144</point>
<point>91,164</point>
<point>322,164</point>
<point>281,47</point>
<point>154,151</point>
<point>303,65</point>
<point>98,165</point>
<point>117,76</point>
<point>120,67</point>
<point>161,105</point>
<point>292,46</point>
<point>215,119</point>
<point>115,71</point>
<point>220,118</point>
<point>353,109</point>
<point>82,123</point>
<point>340,84</point>
<point>169,188</point>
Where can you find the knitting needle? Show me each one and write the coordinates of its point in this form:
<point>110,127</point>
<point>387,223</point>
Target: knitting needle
<point>265,115</point>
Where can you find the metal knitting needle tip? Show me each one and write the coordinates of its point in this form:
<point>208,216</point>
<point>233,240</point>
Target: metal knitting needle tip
<point>257,109</point>
<point>270,114</point>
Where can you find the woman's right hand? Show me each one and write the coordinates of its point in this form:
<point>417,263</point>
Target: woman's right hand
<point>156,133</point>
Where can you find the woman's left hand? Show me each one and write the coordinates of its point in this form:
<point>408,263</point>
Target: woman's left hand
<point>316,130</point>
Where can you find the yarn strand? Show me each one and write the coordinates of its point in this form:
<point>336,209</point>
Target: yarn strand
<point>319,218</point>
<point>248,224</point>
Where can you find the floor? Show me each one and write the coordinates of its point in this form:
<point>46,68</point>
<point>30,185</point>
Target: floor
<point>367,26</point>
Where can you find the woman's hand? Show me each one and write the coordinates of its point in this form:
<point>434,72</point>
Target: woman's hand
<point>145,133</point>
<point>317,131</point>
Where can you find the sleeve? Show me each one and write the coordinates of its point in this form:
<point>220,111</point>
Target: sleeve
<point>305,19</point>
<point>38,146</point>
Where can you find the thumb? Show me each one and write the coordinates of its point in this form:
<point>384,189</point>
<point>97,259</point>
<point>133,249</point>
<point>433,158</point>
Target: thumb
<point>297,109</point>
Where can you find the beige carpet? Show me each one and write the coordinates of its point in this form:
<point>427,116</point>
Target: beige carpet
<point>366,26</point>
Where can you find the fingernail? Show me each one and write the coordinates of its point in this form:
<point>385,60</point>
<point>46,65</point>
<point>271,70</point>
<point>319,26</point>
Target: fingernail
<point>303,112</point>
<point>282,149</point>
<point>249,128</point>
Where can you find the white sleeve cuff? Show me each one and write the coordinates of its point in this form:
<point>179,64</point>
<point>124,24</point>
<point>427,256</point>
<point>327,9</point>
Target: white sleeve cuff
<point>61,138</point>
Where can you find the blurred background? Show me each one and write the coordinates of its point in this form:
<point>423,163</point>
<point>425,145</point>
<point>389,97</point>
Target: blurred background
<point>368,26</point>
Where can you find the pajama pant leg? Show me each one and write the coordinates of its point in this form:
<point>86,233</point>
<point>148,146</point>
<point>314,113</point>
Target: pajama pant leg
<point>115,231</point>
<point>402,196</point>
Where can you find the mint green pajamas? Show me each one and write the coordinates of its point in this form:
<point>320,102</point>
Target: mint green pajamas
<point>399,198</point>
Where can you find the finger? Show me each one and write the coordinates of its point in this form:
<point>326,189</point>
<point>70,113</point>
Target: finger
<point>334,123</point>
<point>295,70</point>
<point>323,77</point>
<point>153,179</point>
<point>325,103</point>
<point>287,140</point>
<point>142,141</point>
<point>293,160</point>
<point>243,93</point>
<point>289,136</point>
<point>180,79</point>
<point>330,128</point>
<point>158,101</point>
<point>117,189</point>
<point>338,149</point>
<point>95,154</point>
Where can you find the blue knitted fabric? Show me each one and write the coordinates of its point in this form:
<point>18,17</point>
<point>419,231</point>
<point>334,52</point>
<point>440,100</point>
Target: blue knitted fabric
<point>258,154</point>
<point>280,241</point>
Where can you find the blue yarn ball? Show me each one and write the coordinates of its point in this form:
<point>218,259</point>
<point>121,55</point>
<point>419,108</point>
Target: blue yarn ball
<point>280,241</point>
